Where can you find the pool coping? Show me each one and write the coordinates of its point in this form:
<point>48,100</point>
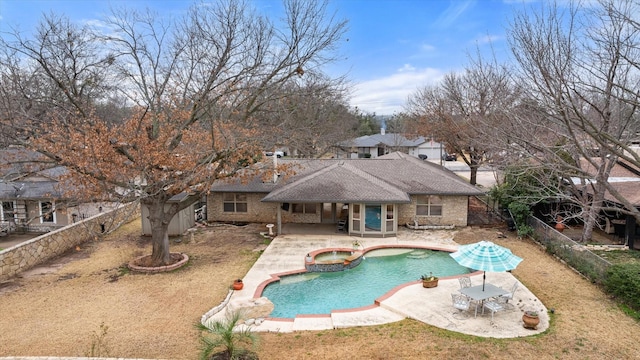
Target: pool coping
<point>277,277</point>
<point>286,255</point>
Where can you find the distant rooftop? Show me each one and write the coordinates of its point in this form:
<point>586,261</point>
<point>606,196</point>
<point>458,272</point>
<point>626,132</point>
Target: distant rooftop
<point>388,140</point>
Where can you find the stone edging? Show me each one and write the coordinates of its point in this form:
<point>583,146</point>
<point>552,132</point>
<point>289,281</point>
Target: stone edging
<point>215,310</point>
<point>146,269</point>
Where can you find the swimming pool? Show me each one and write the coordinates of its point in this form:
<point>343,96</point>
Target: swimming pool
<point>379,272</point>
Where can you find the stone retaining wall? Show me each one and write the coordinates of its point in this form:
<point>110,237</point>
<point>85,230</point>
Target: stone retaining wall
<point>28,254</point>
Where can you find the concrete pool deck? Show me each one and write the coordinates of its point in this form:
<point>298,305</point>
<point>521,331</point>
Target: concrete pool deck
<point>286,254</point>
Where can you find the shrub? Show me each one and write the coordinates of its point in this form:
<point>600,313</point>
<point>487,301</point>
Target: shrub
<point>521,213</point>
<point>623,282</point>
<point>227,336</point>
<point>99,346</point>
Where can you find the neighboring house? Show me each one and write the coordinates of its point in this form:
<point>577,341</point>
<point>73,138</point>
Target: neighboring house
<point>33,198</point>
<point>373,146</point>
<point>625,179</point>
<point>30,196</point>
<point>369,197</point>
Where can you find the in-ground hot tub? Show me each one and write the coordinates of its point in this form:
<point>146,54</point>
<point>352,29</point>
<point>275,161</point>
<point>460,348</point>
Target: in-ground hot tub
<point>330,260</point>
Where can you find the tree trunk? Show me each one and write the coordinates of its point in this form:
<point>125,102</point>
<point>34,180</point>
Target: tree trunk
<point>594,209</point>
<point>160,254</point>
<point>159,222</point>
<point>473,174</point>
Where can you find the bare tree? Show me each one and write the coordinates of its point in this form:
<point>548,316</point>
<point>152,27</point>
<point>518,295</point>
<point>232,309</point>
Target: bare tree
<point>61,71</point>
<point>579,66</point>
<point>459,110</point>
<point>309,117</point>
<point>197,88</point>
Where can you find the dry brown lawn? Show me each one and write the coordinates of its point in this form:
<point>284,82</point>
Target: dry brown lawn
<point>57,309</point>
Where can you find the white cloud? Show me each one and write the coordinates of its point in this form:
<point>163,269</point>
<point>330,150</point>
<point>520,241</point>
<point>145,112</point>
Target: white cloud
<point>488,39</point>
<point>388,95</point>
<point>427,48</point>
<point>406,67</point>
<point>453,12</point>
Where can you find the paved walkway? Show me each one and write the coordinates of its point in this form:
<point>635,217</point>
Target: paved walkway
<point>433,306</point>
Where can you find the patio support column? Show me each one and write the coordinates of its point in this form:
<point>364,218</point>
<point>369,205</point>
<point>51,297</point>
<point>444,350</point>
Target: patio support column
<point>279,218</point>
<point>630,232</point>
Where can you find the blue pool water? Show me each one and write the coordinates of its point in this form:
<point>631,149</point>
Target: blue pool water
<point>377,274</point>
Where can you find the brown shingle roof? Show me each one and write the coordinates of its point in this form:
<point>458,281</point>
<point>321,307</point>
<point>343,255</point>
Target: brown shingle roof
<point>339,182</point>
<point>391,179</point>
<point>416,176</point>
<point>623,177</point>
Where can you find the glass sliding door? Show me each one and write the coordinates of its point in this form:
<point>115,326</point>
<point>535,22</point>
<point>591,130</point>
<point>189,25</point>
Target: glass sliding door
<point>372,218</point>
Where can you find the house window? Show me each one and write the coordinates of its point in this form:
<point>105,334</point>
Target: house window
<point>8,212</point>
<point>356,217</point>
<point>234,202</point>
<point>47,212</point>
<point>305,208</point>
<point>390,217</point>
<point>429,205</point>
<point>364,152</point>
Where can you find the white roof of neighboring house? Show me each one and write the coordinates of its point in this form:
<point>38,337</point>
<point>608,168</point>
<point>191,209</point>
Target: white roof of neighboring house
<point>389,140</point>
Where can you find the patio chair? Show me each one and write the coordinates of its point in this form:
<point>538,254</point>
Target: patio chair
<point>465,282</point>
<point>492,306</point>
<point>508,296</point>
<point>461,302</point>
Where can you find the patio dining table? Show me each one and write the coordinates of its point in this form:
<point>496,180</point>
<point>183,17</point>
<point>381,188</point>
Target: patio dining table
<point>480,293</point>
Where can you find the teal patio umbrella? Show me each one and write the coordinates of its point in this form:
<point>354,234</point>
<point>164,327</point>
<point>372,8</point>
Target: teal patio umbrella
<point>486,256</point>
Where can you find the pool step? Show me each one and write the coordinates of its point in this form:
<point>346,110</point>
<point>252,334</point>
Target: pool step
<point>419,254</point>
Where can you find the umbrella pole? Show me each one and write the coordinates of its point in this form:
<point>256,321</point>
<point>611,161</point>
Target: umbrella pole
<point>484,276</point>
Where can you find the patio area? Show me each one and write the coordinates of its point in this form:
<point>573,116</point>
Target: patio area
<point>433,306</point>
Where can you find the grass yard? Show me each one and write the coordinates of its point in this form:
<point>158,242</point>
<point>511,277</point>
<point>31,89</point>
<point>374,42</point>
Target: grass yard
<point>618,256</point>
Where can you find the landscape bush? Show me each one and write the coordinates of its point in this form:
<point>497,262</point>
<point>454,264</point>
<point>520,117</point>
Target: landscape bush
<point>623,282</point>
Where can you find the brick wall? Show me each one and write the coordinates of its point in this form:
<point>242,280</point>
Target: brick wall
<point>24,256</point>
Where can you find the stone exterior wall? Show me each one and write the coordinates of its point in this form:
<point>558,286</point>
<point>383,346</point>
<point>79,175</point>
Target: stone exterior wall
<point>24,256</point>
<point>454,212</point>
<point>257,211</point>
<point>298,218</point>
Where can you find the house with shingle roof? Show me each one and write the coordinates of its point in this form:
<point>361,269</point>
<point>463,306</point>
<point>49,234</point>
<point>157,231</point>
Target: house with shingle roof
<point>624,178</point>
<point>373,146</point>
<point>29,192</point>
<point>371,197</point>
<point>33,193</point>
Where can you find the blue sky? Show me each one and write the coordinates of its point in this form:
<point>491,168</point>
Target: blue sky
<point>392,47</point>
